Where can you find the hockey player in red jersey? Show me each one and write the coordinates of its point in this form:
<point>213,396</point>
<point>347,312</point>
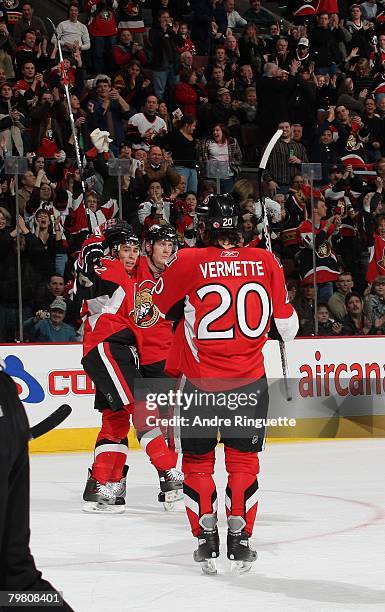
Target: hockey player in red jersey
<point>228,295</point>
<point>156,333</point>
<point>160,243</point>
<point>111,343</point>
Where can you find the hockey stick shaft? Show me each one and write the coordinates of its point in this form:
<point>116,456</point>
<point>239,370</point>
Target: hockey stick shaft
<point>72,121</point>
<point>49,423</point>
<point>266,230</point>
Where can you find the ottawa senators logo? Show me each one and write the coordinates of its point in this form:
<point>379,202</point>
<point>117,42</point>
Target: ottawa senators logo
<point>352,143</point>
<point>146,313</point>
<point>324,250</point>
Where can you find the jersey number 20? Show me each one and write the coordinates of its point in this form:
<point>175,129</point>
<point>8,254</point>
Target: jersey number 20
<point>205,333</point>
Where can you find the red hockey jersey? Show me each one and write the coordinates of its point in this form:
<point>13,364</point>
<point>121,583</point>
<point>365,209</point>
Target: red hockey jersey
<point>155,331</point>
<point>376,265</point>
<point>108,309</point>
<point>227,298</point>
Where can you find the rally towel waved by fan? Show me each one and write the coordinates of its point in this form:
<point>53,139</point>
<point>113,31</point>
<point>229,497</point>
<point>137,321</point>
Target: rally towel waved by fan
<point>315,7</point>
<point>357,162</point>
<point>326,261</point>
<point>376,265</point>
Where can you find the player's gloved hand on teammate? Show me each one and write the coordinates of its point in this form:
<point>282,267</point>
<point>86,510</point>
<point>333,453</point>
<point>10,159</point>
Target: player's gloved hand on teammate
<point>92,252</point>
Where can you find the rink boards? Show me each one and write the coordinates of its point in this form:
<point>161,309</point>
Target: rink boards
<point>338,390</point>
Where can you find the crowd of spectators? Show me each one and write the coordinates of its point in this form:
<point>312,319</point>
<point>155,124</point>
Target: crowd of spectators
<point>185,90</point>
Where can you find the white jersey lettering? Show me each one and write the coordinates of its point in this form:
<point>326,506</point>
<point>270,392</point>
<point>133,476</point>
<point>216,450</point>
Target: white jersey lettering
<point>217,269</point>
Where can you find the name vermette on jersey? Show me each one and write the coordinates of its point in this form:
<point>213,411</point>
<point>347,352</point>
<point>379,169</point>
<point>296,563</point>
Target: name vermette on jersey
<point>218,269</point>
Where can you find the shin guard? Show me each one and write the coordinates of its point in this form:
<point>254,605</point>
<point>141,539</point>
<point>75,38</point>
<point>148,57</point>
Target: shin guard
<point>161,457</point>
<point>242,487</point>
<point>199,489</point>
<point>111,446</point>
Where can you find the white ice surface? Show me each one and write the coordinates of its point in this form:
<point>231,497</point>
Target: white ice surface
<point>320,536</point>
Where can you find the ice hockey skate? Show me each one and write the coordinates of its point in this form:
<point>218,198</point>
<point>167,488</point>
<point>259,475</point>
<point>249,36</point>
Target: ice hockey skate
<point>208,544</point>
<point>170,498</point>
<point>106,498</point>
<point>171,483</point>
<point>238,548</point>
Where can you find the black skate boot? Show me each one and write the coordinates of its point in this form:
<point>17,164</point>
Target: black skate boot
<point>238,548</point>
<point>208,544</point>
<point>171,484</point>
<point>102,498</point>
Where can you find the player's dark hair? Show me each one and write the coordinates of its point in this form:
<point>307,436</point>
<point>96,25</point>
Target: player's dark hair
<point>215,237</point>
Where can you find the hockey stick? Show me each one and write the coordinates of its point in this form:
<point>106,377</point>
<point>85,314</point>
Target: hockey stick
<point>72,122</point>
<point>262,167</point>
<point>52,421</point>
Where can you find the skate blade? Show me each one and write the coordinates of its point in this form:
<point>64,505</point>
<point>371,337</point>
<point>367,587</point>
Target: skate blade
<point>240,567</point>
<point>98,508</point>
<point>170,498</point>
<point>209,567</point>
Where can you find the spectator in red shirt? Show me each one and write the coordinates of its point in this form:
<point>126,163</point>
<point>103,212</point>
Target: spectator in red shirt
<point>127,50</point>
<point>188,93</point>
<point>103,29</point>
<point>188,43</point>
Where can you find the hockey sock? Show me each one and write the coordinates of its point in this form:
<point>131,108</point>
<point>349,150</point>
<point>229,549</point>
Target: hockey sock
<point>173,453</point>
<point>111,446</point>
<point>242,486</point>
<point>156,448</point>
<point>110,458</point>
<point>199,489</point>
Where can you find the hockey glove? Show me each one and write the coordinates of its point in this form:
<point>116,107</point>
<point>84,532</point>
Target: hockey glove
<point>90,257</point>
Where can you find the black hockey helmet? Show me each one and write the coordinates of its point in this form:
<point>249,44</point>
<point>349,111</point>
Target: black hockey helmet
<point>159,232</point>
<point>220,212</point>
<point>117,232</point>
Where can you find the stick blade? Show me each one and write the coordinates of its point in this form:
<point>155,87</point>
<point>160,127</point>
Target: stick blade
<point>52,421</point>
